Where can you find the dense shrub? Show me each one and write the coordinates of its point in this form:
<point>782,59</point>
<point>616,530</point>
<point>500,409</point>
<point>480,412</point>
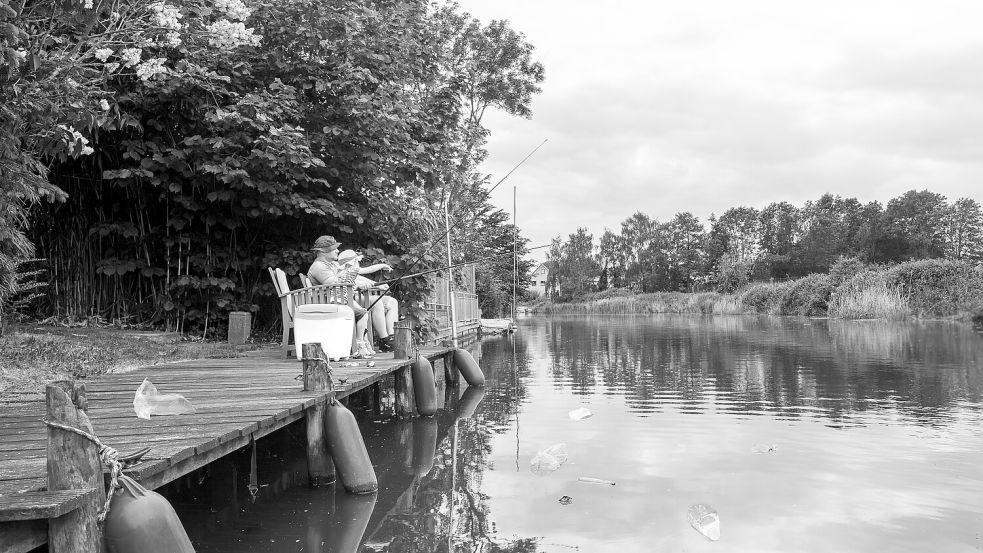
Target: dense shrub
<point>762,297</point>
<point>807,296</point>
<point>938,287</point>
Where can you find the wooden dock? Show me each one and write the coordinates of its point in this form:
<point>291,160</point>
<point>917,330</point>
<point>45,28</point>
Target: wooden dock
<point>236,400</point>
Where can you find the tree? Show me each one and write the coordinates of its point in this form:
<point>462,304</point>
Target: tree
<point>637,234</point>
<point>829,228</point>
<point>686,258</point>
<point>964,230</point>
<point>779,224</point>
<point>238,134</point>
<point>576,268</point>
<point>913,227</point>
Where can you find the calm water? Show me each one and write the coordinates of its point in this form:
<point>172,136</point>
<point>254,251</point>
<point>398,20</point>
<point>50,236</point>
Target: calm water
<point>803,435</point>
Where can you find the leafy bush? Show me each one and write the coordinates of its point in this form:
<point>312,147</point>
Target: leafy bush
<point>938,287</point>
<point>808,295</point>
<point>762,297</point>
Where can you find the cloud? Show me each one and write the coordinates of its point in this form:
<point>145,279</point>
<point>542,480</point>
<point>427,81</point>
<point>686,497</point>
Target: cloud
<point>702,107</point>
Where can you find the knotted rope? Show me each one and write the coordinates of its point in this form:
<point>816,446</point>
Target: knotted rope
<point>107,454</point>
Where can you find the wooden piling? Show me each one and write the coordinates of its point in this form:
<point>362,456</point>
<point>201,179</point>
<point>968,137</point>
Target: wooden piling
<point>405,399</point>
<point>317,378</point>
<point>450,369</point>
<point>73,464</point>
<point>402,340</point>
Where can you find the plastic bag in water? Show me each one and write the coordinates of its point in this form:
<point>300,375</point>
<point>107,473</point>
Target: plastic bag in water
<point>148,401</point>
<point>704,519</point>
<point>580,414</point>
<point>549,459</point>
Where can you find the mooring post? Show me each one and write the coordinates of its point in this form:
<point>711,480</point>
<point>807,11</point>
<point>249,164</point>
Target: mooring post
<point>405,398</point>
<point>440,380</point>
<point>73,464</point>
<point>317,378</point>
<point>450,369</point>
<point>402,340</point>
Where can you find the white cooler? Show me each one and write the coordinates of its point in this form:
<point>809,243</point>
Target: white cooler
<point>328,324</point>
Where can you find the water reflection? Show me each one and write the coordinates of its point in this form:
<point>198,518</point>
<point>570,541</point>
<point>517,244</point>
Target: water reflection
<point>800,434</point>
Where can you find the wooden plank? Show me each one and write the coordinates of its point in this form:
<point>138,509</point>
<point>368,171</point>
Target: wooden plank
<point>42,505</point>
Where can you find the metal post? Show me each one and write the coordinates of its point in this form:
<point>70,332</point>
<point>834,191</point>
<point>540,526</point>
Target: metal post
<point>450,272</point>
<point>515,258</point>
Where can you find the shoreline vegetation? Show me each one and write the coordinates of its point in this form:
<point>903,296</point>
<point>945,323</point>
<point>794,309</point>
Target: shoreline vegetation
<point>928,289</point>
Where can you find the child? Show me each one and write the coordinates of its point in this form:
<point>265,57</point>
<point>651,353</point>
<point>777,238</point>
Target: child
<point>347,273</point>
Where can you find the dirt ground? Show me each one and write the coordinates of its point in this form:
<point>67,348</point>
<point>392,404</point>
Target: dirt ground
<point>32,355</point>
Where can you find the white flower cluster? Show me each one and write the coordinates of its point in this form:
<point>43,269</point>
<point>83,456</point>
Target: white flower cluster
<point>227,35</point>
<point>104,104</point>
<point>166,16</point>
<point>87,4</point>
<point>173,38</point>
<point>102,54</point>
<point>130,56</point>
<point>148,69</point>
<point>74,137</point>
<point>233,9</point>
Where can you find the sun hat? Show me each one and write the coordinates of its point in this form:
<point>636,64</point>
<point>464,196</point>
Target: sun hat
<point>325,243</point>
<point>348,255</point>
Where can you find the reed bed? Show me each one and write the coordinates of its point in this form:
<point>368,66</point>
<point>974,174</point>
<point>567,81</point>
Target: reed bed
<point>934,288</point>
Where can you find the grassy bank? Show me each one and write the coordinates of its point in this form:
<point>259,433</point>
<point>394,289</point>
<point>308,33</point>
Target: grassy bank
<point>32,356</point>
<point>925,289</point>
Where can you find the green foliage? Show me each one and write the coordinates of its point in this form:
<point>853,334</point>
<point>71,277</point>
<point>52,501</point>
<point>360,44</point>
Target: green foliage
<point>938,287</point>
<point>223,154</point>
<point>807,296</point>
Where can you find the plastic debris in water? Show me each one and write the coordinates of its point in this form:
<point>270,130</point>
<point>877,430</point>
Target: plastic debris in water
<point>549,459</point>
<point>764,448</point>
<point>704,519</point>
<point>590,480</point>
<point>566,500</point>
<point>580,414</point>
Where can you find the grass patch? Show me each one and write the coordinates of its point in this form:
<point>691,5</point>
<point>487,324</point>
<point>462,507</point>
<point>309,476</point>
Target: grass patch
<point>30,356</point>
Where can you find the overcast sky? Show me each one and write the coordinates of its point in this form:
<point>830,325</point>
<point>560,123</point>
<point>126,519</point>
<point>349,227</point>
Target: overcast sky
<point>667,106</point>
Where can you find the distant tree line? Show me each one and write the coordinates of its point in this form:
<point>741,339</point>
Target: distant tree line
<point>779,242</point>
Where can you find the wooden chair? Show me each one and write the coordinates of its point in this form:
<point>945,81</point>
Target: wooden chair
<point>290,299</point>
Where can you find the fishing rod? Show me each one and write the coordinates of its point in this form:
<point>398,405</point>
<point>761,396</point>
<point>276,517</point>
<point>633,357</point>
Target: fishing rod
<point>448,231</point>
<point>479,260</point>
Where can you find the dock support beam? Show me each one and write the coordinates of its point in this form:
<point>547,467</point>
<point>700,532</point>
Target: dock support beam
<point>317,378</point>
<point>405,398</point>
<point>73,463</point>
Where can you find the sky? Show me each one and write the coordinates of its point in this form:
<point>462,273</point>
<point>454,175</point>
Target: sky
<point>665,106</point>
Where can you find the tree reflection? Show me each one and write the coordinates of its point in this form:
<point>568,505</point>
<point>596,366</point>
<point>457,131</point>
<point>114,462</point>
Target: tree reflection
<point>766,363</point>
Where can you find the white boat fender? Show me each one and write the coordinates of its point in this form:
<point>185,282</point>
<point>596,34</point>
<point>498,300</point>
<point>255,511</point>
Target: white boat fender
<point>143,521</point>
<point>424,387</point>
<point>348,451</point>
<point>468,367</point>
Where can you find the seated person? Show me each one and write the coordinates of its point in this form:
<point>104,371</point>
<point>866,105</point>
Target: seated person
<point>325,269</point>
<point>385,312</point>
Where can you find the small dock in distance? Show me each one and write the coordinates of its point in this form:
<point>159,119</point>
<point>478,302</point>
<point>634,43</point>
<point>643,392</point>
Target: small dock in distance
<point>237,400</point>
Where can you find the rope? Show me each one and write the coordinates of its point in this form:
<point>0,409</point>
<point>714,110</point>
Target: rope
<point>108,455</point>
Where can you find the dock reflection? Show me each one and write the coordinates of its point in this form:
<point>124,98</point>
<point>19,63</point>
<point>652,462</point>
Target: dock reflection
<point>413,462</point>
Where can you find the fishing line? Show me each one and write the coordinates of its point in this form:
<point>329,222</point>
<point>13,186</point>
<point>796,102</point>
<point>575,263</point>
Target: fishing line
<point>470,261</point>
<point>446,232</point>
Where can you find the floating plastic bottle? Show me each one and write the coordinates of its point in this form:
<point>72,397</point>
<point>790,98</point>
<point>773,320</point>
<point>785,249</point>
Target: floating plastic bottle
<point>704,519</point>
<point>590,480</point>
<point>580,414</point>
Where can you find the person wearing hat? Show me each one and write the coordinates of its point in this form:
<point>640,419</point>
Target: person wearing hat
<point>385,312</point>
<point>326,270</point>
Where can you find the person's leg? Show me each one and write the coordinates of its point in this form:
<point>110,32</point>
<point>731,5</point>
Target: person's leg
<point>379,320</point>
<point>391,310</point>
